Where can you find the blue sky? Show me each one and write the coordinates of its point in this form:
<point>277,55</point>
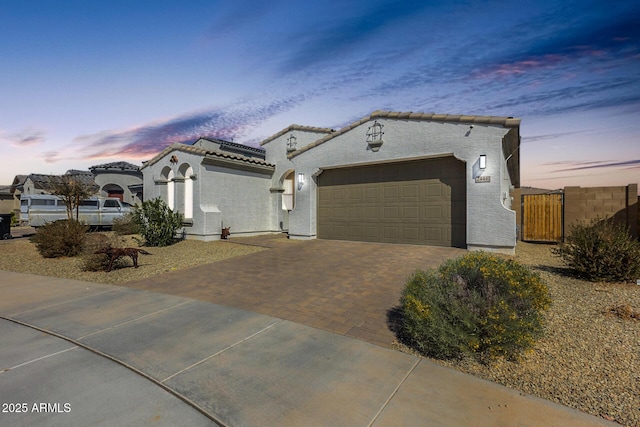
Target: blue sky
<point>87,82</point>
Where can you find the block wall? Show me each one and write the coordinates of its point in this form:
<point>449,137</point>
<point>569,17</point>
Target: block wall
<point>585,204</point>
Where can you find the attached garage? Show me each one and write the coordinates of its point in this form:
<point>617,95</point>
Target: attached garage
<point>420,202</point>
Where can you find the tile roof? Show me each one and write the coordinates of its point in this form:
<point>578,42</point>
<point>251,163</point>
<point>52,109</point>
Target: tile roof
<point>125,166</point>
<point>508,122</point>
<point>44,182</point>
<point>205,153</point>
<point>76,172</point>
<point>234,145</point>
<point>297,127</point>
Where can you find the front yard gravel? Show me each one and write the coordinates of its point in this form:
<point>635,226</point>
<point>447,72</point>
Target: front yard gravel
<point>588,360</point>
<point>21,255</point>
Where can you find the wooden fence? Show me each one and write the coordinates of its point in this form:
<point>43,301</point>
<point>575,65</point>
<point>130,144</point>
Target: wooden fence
<point>542,217</point>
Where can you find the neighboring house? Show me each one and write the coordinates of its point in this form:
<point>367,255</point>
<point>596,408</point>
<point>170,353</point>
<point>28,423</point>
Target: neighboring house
<point>533,190</point>
<point>16,185</point>
<point>119,179</point>
<point>6,199</point>
<point>415,178</point>
<point>42,184</point>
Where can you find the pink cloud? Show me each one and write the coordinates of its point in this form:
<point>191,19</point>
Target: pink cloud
<point>26,138</point>
<point>522,67</point>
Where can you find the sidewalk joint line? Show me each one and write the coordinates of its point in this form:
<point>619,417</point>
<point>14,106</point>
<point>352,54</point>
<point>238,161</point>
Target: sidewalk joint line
<point>38,359</point>
<point>222,351</point>
<point>209,414</point>
<point>63,302</point>
<point>133,320</point>
<point>375,417</point>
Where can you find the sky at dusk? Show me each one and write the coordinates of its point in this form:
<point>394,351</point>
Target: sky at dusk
<point>85,82</point>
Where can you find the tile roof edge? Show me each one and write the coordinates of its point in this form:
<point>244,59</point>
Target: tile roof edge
<point>508,122</point>
<point>203,152</point>
<point>296,127</point>
<point>161,154</point>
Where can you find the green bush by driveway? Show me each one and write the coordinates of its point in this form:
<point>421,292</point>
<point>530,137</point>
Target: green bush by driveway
<point>479,304</point>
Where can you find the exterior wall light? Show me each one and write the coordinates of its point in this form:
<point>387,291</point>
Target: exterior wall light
<point>483,162</point>
<point>291,143</point>
<point>300,181</point>
<point>374,136</point>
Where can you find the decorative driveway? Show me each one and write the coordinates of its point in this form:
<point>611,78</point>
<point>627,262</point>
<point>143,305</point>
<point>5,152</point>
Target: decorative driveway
<point>350,288</point>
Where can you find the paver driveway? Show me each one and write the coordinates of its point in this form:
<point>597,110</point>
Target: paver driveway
<point>349,288</point>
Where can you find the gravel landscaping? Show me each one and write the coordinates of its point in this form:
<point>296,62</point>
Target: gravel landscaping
<point>589,358</point>
<point>21,255</point>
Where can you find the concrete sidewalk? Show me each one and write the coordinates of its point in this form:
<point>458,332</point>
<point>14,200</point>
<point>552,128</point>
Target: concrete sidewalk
<point>237,367</point>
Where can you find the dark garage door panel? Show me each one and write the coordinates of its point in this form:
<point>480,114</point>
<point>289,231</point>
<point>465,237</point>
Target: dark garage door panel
<point>417,202</point>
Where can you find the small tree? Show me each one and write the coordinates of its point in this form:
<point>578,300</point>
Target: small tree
<point>157,223</point>
<point>72,190</point>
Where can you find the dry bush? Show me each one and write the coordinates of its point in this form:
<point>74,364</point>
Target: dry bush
<point>62,238</point>
<point>91,261</point>
<point>623,311</point>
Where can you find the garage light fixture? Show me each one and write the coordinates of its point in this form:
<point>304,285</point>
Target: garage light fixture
<point>300,181</point>
<point>483,162</point>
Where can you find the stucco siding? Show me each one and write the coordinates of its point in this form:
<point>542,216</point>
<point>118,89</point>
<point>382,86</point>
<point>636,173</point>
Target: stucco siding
<point>221,197</point>
<point>247,195</point>
<point>121,179</point>
<point>490,225</point>
<point>243,198</point>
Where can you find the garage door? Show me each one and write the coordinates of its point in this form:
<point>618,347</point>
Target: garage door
<point>419,202</point>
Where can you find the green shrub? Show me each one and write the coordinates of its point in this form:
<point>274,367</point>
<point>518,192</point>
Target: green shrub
<point>63,238</point>
<point>479,304</point>
<point>601,250</point>
<point>157,223</point>
<point>126,225</point>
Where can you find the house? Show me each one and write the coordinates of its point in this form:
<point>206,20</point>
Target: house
<point>395,177</point>
<point>42,184</point>
<point>7,204</point>
<point>119,179</point>
<point>214,183</point>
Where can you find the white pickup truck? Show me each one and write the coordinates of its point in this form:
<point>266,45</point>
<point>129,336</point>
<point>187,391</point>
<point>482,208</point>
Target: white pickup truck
<point>38,209</point>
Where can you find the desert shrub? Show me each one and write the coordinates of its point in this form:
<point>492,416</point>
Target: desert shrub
<point>157,223</point>
<point>601,250</point>
<point>63,238</point>
<point>479,304</point>
<point>125,225</point>
<point>623,311</point>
